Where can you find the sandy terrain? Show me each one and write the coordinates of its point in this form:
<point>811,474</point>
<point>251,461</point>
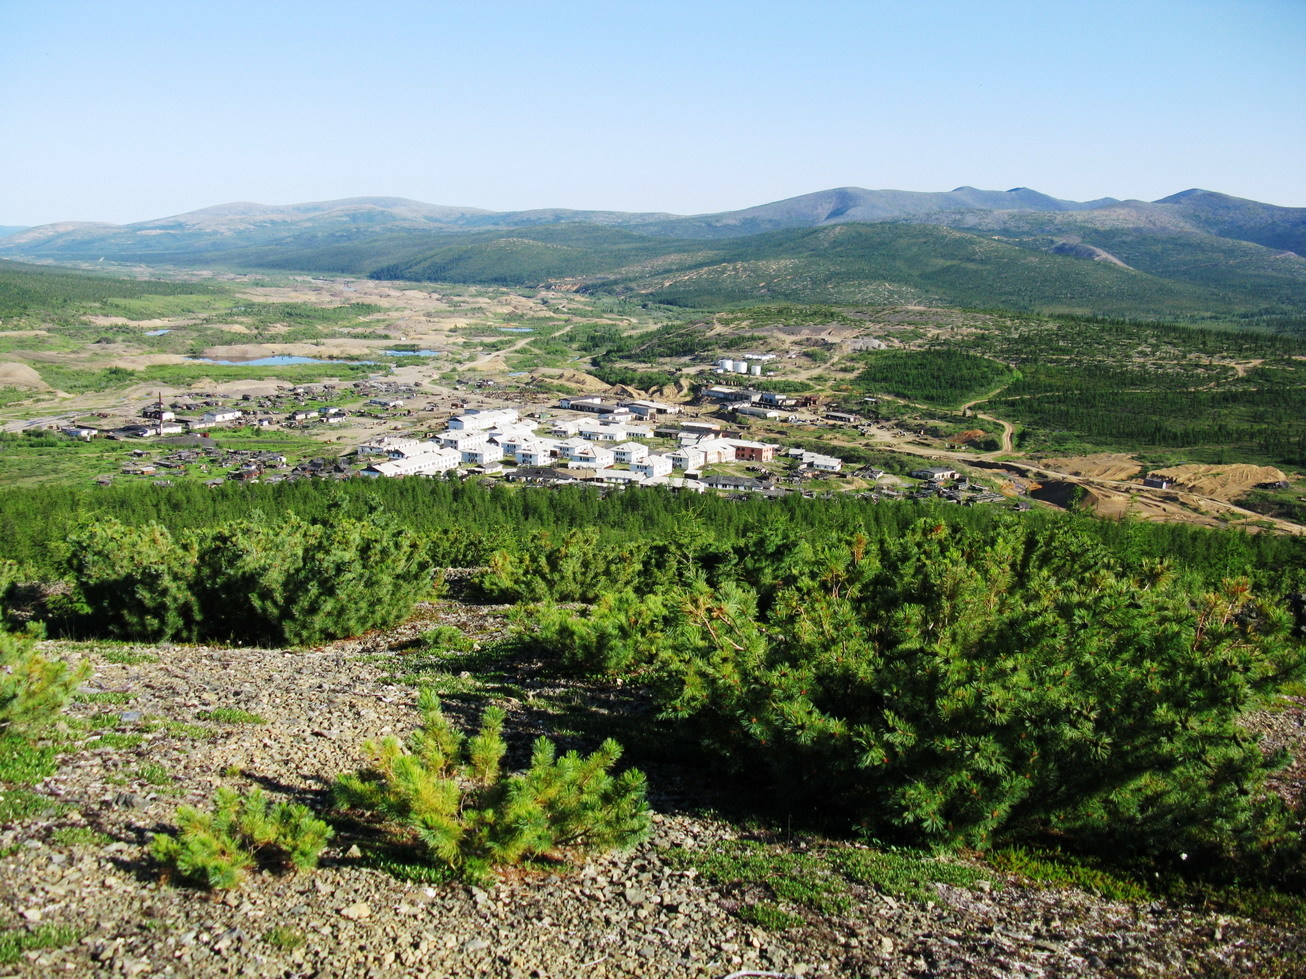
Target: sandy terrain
<point>1220,482</point>
<point>14,375</point>
<point>1102,465</point>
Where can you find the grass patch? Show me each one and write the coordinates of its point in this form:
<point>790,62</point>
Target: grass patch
<point>820,879</point>
<point>154,774</point>
<point>180,729</point>
<point>18,804</point>
<point>79,836</point>
<point>1058,870</point>
<point>231,715</point>
<point>908,874</point>
<point>15,942</point>
<point>1257,904</point>
<point>445,684</point>
<point>86,726</point>
<point>443,638</point>
<point>285,938</point>
<point>769,916</point>
<point>805,879</point>
<point>121,653</point>
<point>414,872</point>
<point>24,763</point>
<point>104,697</point>
<point>452,673</point>
<point>119,740</point>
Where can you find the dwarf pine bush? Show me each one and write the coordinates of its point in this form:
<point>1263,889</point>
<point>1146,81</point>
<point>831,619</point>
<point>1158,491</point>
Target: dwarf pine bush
<point>449,794</point>
<point>214,849</point>
<point>33,689</point>
<point>135,582</point>
<point>619,632</point>
<point>952,686</point>
<point>572,567</point>
<point>256,581</point>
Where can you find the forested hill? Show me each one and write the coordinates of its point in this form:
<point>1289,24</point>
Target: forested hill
<point>865,264</point>
<point>1197,252</point>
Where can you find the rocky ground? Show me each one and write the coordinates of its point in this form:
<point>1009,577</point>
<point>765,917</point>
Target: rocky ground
<point>647,912</point>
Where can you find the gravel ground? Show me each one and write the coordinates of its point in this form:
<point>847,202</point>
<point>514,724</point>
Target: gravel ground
<point>639,913</point>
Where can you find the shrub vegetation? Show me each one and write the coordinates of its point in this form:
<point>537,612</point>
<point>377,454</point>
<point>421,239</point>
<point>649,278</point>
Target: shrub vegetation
<point>214,849</point>
<point>33,689</point>
<point>954,686</point>
<point>452,796</point>
<point>292,582</point>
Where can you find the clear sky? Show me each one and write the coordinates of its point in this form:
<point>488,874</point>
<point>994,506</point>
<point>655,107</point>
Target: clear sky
<point>126,110</point>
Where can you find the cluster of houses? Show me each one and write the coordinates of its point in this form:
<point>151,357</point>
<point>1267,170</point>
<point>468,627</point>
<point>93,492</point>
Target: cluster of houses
<point>286,408</point>
<point>242,465</point>
<point>950,486</point>
<point>488,438</point>
<point>598,441</point>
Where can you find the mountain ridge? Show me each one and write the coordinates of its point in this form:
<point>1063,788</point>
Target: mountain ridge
<point>834,205</point>
<point>1193,252</point>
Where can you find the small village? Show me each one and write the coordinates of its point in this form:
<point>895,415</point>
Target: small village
<point>520,437</point>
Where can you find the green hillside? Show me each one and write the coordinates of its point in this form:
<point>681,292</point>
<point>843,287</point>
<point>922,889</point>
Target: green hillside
<point>882,263</point>
<point>28,288</point>
<point>1195,255</point>
<point>892,263</point>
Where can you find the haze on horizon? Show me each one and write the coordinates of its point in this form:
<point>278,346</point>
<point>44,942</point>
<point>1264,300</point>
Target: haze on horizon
<point>141,109</point>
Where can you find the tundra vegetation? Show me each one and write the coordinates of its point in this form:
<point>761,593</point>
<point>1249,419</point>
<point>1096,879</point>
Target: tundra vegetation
<point>215,849</point>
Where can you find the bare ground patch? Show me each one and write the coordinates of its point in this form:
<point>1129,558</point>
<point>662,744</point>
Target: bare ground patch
<point>1101,465</point>
<point>1221,482</point>
<point>15,375</point>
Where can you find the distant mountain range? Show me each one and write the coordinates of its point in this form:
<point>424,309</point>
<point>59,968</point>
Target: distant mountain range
<point>1191,253</point>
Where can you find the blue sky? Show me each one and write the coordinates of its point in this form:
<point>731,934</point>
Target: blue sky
<point>125,110</point>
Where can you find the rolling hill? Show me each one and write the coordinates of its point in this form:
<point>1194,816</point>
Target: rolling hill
<point>1197,253</point>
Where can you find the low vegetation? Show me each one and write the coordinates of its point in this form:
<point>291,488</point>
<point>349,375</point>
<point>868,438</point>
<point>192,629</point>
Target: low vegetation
<point>251,581</point>
<point>215,849</point>
<point>451,795</point>
<point>13,942</point>
<point>33,689</point>
<point>954,687</point>
<point>944,377</point>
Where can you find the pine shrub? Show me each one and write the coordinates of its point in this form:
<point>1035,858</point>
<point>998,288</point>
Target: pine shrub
<point>449,794</point>
<point>214,849</point>
<point>33,689</point>
<point>573,567</point>
<point>620,632</point>
<point>965,687</point>
<point>135,582</point>
<point>255,581</point>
